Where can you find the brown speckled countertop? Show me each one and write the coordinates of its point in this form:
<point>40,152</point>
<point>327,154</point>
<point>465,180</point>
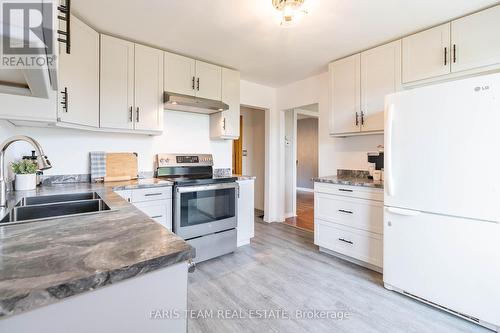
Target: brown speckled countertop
<point>45,261</point>
<point>351,178</point>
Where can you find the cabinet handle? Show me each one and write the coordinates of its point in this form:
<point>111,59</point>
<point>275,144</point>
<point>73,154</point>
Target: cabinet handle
<point>152,194</point>
<point>66,16</point>
<point>137,115</point>
<point>445,56</point>
<point>345,211</point>
<point>344,190</point>
<point>224,124</point>
<point>362,118</point>
<point>357,119</point>
<point>156,217</point>
<point>454,53</point>
<point>64,101</point>
<point>193,82</point>
<point>131,114</point>
<point>198,84</point>
<point>345,241</point>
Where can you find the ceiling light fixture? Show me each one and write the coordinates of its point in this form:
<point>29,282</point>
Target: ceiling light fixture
<point>290,10</point>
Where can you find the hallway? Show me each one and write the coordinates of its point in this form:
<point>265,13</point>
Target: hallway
<point>305,212</point>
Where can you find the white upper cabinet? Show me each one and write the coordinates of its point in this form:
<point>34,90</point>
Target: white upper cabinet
<point>380,76</point>
<point>226,124</point>
<point>117,83</point>
<point>427,54</point>
<point>345,86</point>
<point>208,81</point>
<point>148,88</point>
<point>475,40</point>
<point>79,77</point>
<point>180,75</point>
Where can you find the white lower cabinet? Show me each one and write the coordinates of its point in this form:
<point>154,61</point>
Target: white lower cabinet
<point>246,212</point>
<point>348,221</point>
<point>155,202</point>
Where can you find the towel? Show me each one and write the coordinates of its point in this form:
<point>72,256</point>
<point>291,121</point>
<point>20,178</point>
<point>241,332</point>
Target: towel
<point>97,166</point>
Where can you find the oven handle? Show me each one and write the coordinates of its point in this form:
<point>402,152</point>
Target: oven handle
<point>189,189</point>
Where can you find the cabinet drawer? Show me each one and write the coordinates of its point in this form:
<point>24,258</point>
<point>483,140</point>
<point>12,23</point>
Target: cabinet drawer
<point>361,245</point>
<point>352,212</point>
<point>151,194</point>
<point>160,211</point>
<point>360,192</point>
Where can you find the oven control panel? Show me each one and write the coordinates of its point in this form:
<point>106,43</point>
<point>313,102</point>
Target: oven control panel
<point>177,160</point>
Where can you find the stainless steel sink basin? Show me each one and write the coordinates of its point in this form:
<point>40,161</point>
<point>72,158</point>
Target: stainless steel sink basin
<point>57,198</point>
<point>33,209</point>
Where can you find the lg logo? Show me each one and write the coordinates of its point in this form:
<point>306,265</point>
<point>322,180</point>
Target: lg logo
<point>29,18</point>
<point>479,89</point>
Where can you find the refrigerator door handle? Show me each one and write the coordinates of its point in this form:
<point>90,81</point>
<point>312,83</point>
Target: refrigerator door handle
<point>404,212</point>
<point>388,150</point>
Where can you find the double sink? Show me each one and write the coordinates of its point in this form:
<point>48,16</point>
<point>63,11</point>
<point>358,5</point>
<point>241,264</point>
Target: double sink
<point>30,209</point>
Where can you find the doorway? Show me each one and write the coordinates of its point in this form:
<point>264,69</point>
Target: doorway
<point>301,165</point>
<point>249,154</point>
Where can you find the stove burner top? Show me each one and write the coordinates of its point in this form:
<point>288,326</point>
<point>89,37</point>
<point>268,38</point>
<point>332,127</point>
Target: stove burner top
<point>197,180</point>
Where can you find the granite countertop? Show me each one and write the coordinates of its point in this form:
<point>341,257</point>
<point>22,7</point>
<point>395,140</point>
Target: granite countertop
<point>46,261</point>
<point>351,178</point>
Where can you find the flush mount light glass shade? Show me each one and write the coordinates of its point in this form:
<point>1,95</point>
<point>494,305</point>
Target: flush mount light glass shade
<point>290,11</point>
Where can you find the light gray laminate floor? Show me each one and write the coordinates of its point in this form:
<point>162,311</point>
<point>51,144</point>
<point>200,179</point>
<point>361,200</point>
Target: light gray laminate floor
<point>282,269</point>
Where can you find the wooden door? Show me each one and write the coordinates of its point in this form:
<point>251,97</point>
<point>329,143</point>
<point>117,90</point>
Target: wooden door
<point>345,86</point>
<point>148,88</point>
<point>208,81</point>
<point>380,76</point>
<point>238,152</point>
<point>476,40</point>
<point>117,83</point>
<point>180,74</point>
<point>79,75</point>
<point>231,96</point>
<point>427,54</point>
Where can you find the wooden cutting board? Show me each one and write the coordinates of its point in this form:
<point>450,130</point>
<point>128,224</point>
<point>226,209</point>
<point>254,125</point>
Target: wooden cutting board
<point>121,166</point>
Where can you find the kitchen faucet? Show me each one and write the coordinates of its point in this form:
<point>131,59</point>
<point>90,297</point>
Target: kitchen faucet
<point>43,162</point>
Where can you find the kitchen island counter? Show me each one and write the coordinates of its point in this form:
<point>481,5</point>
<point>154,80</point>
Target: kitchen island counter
<point>43,262</point>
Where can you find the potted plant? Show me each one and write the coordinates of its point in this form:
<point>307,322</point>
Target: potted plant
<point>25,171</point>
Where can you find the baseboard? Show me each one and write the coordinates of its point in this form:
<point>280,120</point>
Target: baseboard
<point>303,189</point>
<point>289,215</point>
<point>352,260</point>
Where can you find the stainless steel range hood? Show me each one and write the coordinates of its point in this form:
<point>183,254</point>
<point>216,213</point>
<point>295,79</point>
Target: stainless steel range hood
<point>187,103</point>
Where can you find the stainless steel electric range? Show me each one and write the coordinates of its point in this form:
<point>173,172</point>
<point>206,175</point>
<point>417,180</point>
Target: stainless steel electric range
<point>204,207</point>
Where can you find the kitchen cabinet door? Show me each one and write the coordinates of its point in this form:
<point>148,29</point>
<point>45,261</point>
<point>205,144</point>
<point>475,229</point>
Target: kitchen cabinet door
<point>79,77</point>
<point>380,76</point>
<point>476,40</point>
<point>117,83</point>
<point>427,54</point>
<point>208,81</point>
<point>148,88</point>
<point>345,85</point>
<point>226,124</point>
<point>180,74</point>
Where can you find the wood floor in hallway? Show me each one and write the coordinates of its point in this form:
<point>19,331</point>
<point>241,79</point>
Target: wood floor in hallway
<point>305,212</point>
<point>282,270</point>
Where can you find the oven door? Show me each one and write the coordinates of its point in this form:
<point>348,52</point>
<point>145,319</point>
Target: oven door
<point>206,209</point>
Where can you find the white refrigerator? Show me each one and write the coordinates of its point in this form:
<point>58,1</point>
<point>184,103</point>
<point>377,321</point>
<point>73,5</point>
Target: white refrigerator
<point>442,197</point>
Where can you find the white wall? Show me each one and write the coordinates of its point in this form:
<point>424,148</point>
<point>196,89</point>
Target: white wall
<point>334,153</point>
<point>68,149</point>
<point>307,152</point>
<point>254,144</point>
<point>6,131</point>
<point>263,97</point>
